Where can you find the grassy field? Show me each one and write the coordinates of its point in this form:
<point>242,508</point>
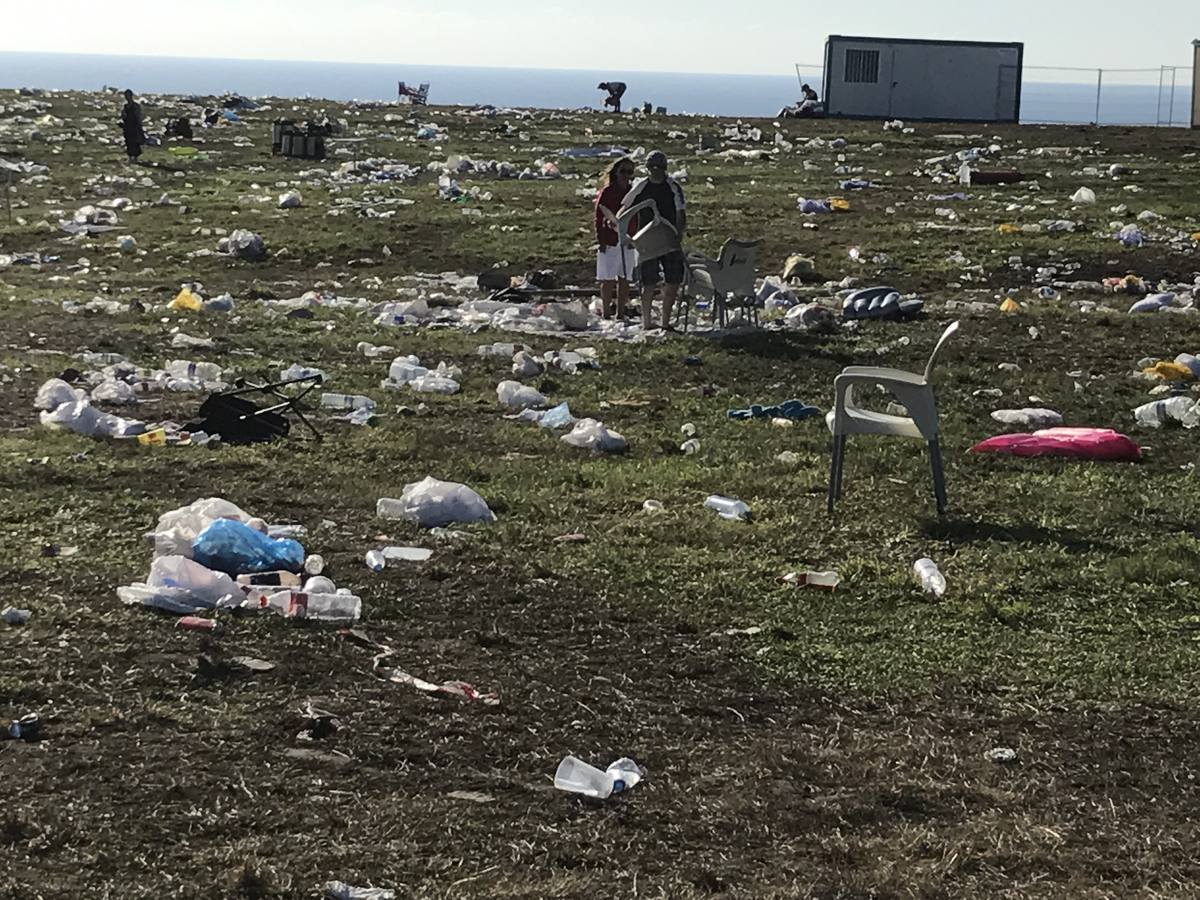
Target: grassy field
<point>836,749</point>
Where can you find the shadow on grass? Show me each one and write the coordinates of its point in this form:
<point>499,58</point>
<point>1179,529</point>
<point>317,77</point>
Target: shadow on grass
<point>973,531</point>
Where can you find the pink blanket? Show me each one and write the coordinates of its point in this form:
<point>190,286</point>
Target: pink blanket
<point>1081,443</point>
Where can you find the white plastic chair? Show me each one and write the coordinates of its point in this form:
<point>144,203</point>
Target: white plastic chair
<point>914,391</point>
<point>728,280</point>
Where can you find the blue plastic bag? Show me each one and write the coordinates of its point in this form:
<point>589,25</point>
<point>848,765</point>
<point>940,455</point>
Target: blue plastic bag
<point>236,549</point>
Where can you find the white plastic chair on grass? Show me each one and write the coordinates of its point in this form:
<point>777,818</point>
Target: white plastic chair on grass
<point>914,391</point>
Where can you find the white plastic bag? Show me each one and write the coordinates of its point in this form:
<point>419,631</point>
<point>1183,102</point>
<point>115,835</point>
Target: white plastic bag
<point>177,529</point>
<point>590,434</point>
<point>290,200</point>
<point>432,503</point>
<point>1083,197</point>
<point>180,585</point>
<point>515,395</point>
<point>116,392</point>
<point>433,383</point>
<point>54,393</point>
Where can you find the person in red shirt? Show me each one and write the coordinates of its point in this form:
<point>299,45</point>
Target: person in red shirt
<point>615,259</point>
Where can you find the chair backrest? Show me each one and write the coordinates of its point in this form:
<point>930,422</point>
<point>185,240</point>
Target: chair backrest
<point>735,272</point>
<point>950,329</point>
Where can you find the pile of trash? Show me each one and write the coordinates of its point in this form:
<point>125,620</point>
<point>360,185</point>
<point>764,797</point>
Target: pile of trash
<point>377,169</point>
<point>407,371</point>
<point>212,555</point>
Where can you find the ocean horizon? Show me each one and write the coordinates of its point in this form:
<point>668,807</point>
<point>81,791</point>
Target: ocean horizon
<point>679,92</point>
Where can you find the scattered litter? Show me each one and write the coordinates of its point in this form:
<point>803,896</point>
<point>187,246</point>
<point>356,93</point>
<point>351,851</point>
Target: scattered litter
<point>1028,418</point>
<point>931,580</point>
<point>432,503</point>
<point>339,890</point>
<point>590,434</point>
<point>459,689</point>
<point>788,409</point>
<point>828,580</point>
<point>13,616</point>
<point>1001,755</point>
<point>728,508</point>
<point>577,777</point>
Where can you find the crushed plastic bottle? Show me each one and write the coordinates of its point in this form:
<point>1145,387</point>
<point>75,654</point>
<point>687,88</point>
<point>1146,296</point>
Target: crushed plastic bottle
<point>376,561</point>
<point>319,607</point>
<point>932,581</point>
<point>728,508</point>
<point>346,402</point>
<point>577,777</point>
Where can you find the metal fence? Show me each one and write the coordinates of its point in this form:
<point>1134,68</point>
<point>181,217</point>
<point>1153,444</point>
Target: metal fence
<point>1063,95</point>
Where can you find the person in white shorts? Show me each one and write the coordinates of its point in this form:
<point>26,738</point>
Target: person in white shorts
<point>615,264</point>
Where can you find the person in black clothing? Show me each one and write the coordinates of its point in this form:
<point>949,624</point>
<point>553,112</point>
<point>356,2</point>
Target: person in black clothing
<point>616,90</point>
<point>131,127</point>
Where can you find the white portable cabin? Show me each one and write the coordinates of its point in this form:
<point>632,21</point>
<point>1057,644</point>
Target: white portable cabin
<point>898,78</point>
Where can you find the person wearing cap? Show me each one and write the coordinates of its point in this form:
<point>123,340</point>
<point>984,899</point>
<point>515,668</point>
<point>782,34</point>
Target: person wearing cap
<point>669,269</point>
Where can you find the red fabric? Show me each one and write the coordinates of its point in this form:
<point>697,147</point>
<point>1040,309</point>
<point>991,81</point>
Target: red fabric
<point>610,198</point>
<point>1100,444</point>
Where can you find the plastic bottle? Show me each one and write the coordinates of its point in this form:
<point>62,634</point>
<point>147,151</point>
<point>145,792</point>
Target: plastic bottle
<point>320,607</point>
<point>376,560</point>
<point>390,508</point>
<point>203,371</point>
<point>319,584</point>
<point>346,401</point>
<point>932,581</point>
<point>728,507</point>
<point>578,777</point>
<point>690,447</point>
<point>407,554</point>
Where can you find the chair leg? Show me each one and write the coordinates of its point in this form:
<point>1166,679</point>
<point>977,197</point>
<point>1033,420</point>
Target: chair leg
<point>841,463</point>
<point>833,468</point>
<point>939,477</point>
<point>836,460</point>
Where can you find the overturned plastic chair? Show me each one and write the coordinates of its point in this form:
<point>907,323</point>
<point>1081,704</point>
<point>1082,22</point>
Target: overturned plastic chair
<point>914,391</point>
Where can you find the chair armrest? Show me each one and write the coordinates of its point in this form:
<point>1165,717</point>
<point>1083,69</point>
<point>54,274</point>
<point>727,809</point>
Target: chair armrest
<point>867,374</point>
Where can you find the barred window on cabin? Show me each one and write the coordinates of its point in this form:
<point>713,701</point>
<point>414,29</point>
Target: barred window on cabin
<point>862,66</point>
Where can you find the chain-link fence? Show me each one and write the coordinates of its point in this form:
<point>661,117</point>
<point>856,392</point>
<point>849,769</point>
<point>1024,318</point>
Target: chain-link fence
<point>1078,96</point>
<point>1058,94</point>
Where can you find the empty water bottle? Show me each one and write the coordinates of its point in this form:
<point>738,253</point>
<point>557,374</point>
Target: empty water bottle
<point>728,507</point>
<point>376,561</point>
<point>346,402</point>
<point>578,777</point>
<point>932,581</point>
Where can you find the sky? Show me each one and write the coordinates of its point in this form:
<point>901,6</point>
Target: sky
<point>751,37</point>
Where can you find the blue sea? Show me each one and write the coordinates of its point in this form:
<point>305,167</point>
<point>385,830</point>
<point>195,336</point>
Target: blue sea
<point>1139,103</point>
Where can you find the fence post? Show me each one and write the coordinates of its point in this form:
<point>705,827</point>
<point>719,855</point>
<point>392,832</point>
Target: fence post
<point>1171,114</point>
<point>1099,85</point>
<point>1162,70</point>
